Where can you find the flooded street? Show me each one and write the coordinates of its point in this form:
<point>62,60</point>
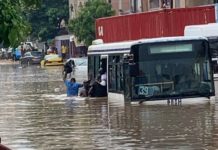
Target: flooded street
<point>37,115</point>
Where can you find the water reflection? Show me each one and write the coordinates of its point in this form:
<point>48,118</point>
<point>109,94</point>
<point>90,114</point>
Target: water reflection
<point>163,126</point>
<point>35,117</point>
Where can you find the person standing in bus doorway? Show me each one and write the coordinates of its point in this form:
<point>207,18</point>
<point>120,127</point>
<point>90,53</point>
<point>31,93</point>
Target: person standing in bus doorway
<point>102,71</point>
<point>103,74</point>
<point>97,89</point>
<point>72,87</point>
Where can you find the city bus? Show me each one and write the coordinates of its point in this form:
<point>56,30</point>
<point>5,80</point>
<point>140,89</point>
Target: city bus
<point>168,70</point>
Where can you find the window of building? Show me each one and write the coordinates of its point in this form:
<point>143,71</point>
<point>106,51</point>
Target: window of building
<point>136,5</point>
<point>154,4</point>
<point>198,3</point>
<point>177,3</point>
<point>166,3</point>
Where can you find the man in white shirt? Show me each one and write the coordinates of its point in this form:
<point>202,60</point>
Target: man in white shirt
<point>104,79</point>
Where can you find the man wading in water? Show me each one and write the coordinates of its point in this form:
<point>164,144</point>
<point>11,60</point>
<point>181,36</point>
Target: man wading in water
<point>72,87</point>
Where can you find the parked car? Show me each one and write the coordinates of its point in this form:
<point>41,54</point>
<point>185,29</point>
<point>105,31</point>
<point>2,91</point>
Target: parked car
<point>32,57</point>
<point>52,60</point>
<point>81,62</point>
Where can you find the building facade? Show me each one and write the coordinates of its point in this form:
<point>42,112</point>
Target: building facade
<point>123,7</point>
<point>74,7</point>
<point>76,49</point>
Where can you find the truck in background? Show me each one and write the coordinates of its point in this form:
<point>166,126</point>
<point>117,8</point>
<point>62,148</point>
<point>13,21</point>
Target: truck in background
<point>161,23</point>
<point>211,32</point>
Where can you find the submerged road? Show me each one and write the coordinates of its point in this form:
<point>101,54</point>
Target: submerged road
<point>36,115</point>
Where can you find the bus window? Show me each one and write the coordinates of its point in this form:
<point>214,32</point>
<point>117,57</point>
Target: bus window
<point>214,53</point>
<point>97,65</point>
<point>115,73</point>
<point>91,63</point>
<point>126,81</point>
<point>214,47</point>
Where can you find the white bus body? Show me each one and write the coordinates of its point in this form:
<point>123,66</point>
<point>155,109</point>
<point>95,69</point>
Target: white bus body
<point>120,82</point>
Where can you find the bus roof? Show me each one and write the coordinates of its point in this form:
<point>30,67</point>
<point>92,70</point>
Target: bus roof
<point>108,48</point>
<point>207,30</point>
<point>124,47</point>
<point>170,39</point>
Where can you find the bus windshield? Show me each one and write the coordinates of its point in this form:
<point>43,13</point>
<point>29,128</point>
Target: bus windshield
<point>167,69</point>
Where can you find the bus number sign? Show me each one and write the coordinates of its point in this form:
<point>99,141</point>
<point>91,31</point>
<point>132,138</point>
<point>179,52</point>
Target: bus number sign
<point>144,90</point>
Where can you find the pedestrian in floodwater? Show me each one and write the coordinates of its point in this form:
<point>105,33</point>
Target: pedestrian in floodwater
<point>68,67</point>
<point>84,91</point>
<point>72,87</point>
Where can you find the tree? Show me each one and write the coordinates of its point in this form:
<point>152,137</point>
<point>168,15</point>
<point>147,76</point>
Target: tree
<point>13,26</point>
<point>46,19</point>
<point>83,26</point>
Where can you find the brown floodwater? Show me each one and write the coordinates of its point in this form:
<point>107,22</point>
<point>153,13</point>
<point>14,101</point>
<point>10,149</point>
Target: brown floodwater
<point>37,115</point>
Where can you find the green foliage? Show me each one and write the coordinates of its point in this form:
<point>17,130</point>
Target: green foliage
<point>44,20</point>
<point>83,27</point>
<point>32,3</point>
<point>13,27</point>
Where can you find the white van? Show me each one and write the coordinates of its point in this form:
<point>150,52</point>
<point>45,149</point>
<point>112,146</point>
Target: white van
<point>211,32</point>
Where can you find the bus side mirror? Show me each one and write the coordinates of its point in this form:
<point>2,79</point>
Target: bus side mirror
<point>133,70</point>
